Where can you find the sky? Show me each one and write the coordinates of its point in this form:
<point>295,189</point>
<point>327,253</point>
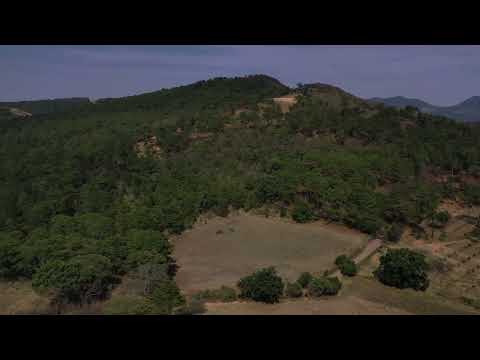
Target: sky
<point>441,75</point>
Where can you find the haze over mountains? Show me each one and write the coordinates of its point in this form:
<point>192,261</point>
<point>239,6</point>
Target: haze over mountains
<point>468,110</point>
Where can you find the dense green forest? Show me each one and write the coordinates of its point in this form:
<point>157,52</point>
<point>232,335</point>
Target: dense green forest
<point>91,194</point>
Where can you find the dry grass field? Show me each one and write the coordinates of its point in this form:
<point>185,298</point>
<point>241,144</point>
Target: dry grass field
<point>18,298</point>
<point>220,251</point>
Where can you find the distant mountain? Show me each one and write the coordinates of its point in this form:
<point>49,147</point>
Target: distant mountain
<point>468,110</point>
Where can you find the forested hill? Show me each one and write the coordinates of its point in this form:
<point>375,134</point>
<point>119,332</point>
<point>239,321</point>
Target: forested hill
<point>217,94</point>
<point>96,195</point>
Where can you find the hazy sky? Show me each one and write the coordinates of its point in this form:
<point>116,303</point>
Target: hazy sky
<point>441,75</point>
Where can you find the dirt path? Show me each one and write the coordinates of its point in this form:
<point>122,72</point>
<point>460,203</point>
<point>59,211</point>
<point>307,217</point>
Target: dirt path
<point>368,250</point>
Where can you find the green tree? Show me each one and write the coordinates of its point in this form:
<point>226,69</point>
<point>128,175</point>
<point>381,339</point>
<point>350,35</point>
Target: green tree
<point>264,285</point>
<point>304,279</point>
<point>167,297</point>
<point>403,268</point>
<point>346,265</point>
<point>303,213</point>
<point>324,286</point>
<point>395,232</point>
<point>81,279</point>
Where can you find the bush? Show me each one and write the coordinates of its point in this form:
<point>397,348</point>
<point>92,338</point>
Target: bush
<point>293,290</point>
<point>303,213</point>
<point>395,232</point>
<point>10,256</point>
<point>324,286</point>
<point>223,294</point>
<point>167,297</point>
<point>263,285</point>
<point>440,219</point>
<point>346,265</point>
<point>304,279</point>
<point>129,305</point>
<point>81,279</point>
<point>193,307</point>
<point>403,268</point>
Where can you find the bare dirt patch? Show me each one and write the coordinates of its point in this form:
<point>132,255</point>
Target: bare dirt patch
<point>148,146</point>
<point>18,112</point>
<point>220,251</point>
<point>285,102</point>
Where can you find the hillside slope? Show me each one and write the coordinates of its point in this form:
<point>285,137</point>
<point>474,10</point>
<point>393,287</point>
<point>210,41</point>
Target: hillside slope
<point>98,194</point>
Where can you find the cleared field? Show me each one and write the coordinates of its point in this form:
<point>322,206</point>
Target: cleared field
<point>285,102</point>
<point>222,250</point>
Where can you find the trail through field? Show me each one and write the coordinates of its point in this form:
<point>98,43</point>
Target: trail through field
<point>368,250</point>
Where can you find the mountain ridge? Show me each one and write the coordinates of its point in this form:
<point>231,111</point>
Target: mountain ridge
<point>467,110</point>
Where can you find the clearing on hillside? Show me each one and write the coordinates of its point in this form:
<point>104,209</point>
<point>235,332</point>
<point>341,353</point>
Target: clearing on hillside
<point>285,102</point>
<point>222,250</point>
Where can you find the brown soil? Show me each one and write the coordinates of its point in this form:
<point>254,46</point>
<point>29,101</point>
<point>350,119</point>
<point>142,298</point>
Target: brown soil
<point>148,146</point>
<point>285,102</point>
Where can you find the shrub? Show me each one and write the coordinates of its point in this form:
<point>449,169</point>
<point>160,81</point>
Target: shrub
<point>395,232</point>
<point>304,279</point>
<point>475,303</point>
<point>324,286</point>
<point>10,256</point>
<point>293,290</point>
<point>346,265</point>
<point>129,305</point>
<point>403,268</point>
<point>223,294</point>
<point>303,213</point>
<point>440,219</point>
<point>167,297</point>
<point>193,307</point>
<point>263,285</point>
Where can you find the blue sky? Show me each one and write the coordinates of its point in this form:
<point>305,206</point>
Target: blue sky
<point>441,75</point>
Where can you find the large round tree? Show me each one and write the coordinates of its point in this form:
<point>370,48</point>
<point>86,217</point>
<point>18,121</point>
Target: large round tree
<point>263,285</point>
<point>403,268</point>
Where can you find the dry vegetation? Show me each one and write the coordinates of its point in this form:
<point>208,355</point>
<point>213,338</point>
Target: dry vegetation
<point>19,298</point>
